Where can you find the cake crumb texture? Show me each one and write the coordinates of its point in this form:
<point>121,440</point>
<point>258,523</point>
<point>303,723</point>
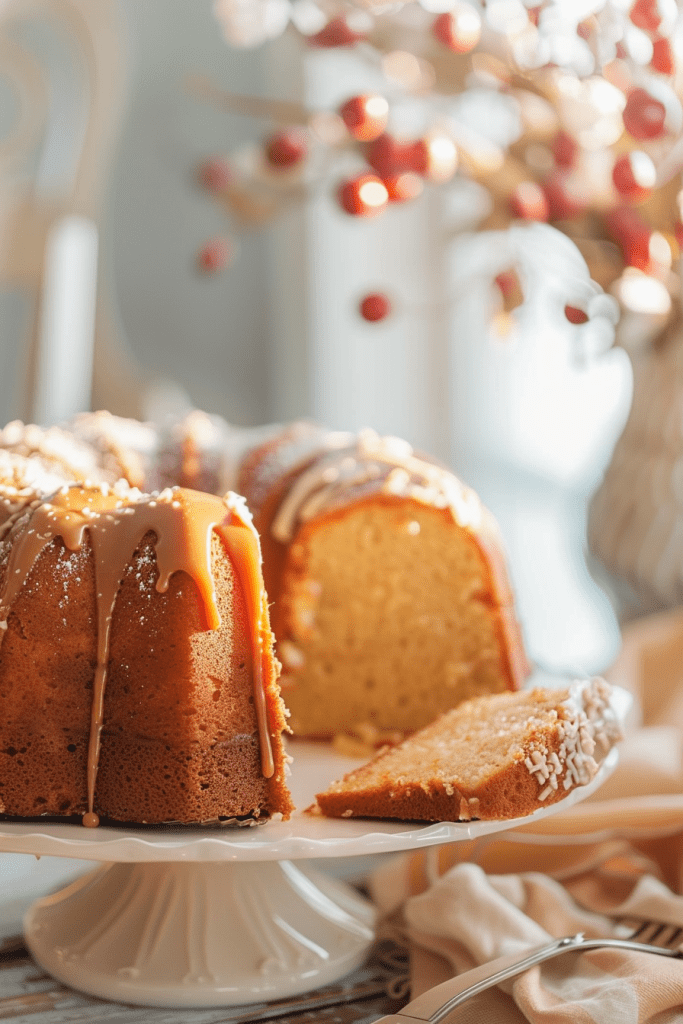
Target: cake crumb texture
<point>391,599</point>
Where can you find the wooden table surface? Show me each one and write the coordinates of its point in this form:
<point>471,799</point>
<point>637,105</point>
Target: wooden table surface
<point>28,994</point>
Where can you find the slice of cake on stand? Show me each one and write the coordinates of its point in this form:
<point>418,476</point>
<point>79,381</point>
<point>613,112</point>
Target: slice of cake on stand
<point>496,757</point>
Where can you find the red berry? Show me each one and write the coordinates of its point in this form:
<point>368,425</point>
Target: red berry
<point>529,202</point>
<point>402,187</point>
<point>678,233</point>
<point>574,315</point>
<point>375,307</point>
<point>510,289</point>
<point>646,15</point>
<point>365,116</point>
<point>287,147</point>
<point>434,157</point>
<point>215,174</point>
<point>506,281</point>
<point>634,175</point>
<point>534,14</point>
<point>364,196</point>
<point>583,29</point>
<point>417,157</point>
<point>632,234</point>
<point>389,157</point>
<point>565,149</point>
<point>335,33</point>
<point>214,255</point>
<point>459,29</point>
<point>565,200</point>
<point>662,57</point>
<point>643,115</point>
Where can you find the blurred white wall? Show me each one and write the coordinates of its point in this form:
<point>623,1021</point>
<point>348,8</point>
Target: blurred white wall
<point>210,334</point>
<point>207,332</point>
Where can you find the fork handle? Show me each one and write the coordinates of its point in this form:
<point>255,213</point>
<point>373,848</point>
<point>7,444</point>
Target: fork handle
<point>438,1002</point>
<point>433,1006</point>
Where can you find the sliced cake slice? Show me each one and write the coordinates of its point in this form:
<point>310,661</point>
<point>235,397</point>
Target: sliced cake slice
<point>500,756</point>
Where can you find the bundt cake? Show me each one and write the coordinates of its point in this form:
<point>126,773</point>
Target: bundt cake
<point>501,756</point>
<point>137,674</point>
<point>391,600</point>
<point>141,622</point>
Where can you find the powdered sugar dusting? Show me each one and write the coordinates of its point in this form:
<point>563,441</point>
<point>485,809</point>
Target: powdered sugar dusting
<point>22,480</point>
<point>58,449</point>
<point>123,447</point>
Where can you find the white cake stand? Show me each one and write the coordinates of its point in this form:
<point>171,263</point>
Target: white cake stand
<point>199,917</point>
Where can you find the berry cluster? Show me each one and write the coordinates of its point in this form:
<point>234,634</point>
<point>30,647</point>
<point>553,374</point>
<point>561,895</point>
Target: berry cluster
<point>598,155</point>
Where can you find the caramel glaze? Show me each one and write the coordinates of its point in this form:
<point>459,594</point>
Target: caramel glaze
<point>117,520</point>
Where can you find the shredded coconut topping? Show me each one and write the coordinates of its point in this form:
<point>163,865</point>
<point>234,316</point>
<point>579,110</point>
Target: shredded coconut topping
<point>587,728</point>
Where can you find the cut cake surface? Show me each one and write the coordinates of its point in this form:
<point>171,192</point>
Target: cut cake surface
<point>391,600</point>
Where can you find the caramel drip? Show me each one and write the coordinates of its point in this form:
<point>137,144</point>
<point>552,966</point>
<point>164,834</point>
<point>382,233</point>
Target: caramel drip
<point>245,554</point>
<point>183,522</point>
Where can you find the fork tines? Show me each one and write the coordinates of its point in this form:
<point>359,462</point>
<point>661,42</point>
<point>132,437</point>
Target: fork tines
<point>654,933</point>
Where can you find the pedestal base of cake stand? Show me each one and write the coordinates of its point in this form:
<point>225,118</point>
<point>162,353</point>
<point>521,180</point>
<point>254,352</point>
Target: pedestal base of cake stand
<point>200,934</point>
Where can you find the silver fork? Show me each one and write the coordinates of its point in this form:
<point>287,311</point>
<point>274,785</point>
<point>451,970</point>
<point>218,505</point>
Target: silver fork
<point>435,1005</point>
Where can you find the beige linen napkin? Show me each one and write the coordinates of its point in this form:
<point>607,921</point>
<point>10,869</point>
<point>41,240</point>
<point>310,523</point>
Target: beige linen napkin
<point>617,855</point>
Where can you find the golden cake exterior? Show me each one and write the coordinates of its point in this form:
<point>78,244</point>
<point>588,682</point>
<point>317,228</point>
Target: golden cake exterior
<point>391,600</point>
<point>137,675</point>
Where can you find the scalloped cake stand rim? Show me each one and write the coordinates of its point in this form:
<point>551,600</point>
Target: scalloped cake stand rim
<point>182,917</point>
<point>303,836</point>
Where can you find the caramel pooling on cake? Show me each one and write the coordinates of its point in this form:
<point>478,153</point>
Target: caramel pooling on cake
<point>117,521</point>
